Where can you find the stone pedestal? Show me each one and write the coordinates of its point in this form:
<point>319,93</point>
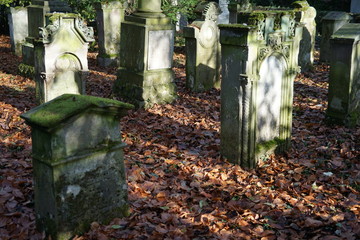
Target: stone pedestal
<point>344,84</point>
<point>145,76</point>
<point>61,56</point>
<point>18,27</point>
<point>109,17</point>
<point>306,15</point>
<point>203,51</point>
<point>330,24</point>
<point>259,64</point>
<point>36,19</point>
<point>79,174</point>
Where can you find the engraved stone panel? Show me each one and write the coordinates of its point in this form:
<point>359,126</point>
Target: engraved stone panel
<point>161,47</point>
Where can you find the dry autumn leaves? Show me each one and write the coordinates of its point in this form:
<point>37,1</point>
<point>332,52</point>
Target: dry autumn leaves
<point>179,187</point>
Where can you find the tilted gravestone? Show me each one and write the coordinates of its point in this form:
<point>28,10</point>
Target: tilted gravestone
<point>109,16</point>
<point>145,76</point>
<point>18,28</point>
<point>344,81</point>
<point>332,22</point>
<point>203,50</point>
<point>61,56</point>
<point>306,14</point>
<point>259,64</point>
<point>79,174</point>
<point>36,19</point>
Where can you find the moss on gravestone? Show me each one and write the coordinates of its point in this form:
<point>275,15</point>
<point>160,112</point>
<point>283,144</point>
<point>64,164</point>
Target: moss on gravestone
<point>52,113</point>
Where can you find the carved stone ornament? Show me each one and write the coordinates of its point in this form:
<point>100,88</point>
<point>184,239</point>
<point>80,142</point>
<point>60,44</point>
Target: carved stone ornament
<point>275,39</point>
<point>46,33</point>
<point>208,34</point>
<point>211,12</point>
<point>292,25</point>
<point>88,32</point>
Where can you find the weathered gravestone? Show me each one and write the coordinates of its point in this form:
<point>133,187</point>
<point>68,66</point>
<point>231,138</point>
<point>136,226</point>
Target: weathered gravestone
<point>344,84</point>
<point>61,56</point>
<point>18,27</point>
<point>203,50</point>
<point>330,24</point>
<point>236,7</point>
<point>355,6</point>
<point>259,64</point>
<point>306,15</point>
<point>109,16</point>
<point>79,173</point>
<point>145,76</point>
<point>36,19</point>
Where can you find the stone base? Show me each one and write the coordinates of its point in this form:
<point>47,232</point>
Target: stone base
<point>68,205</point>
<point>146,88</point>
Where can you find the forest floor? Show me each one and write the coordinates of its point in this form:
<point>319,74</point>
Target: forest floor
<point>179,187</point>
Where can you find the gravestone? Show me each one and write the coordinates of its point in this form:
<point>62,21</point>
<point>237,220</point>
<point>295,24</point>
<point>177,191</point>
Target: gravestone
<point>78,162</point>
<point>259,64</point>
<point>109,16</point>
<point>236,7</point>
<point>18,28</point>
<point>355,6</point>
<point>145,76</point>
<point>344,81</point>
<point>36,19</point>
<point>224,12</point>
<point>203,50</point>
<point>306,14</point>
<point>61,56</point>
<point>331,22</point>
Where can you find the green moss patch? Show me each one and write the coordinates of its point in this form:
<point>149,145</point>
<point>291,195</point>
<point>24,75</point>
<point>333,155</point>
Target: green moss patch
<point>52,113</point>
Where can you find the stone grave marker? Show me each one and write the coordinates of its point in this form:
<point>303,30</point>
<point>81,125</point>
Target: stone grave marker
<point>78,163</point>
<point>109,16</point>
<point>259,64</point>
<point>306,14</point>
<point>36,19</point>
<point>203,50</point>
<point>61,56</point>
<point>145,76</point>
<point>331,22</point>
<point>344,82</point>
<point>18,28</point>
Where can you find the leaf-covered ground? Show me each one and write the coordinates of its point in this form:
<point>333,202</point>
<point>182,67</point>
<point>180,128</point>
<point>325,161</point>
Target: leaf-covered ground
<point>179,187</point>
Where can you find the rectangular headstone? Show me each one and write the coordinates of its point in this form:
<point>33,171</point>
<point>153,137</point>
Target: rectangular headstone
<point>344,84</point>
<point>79,174</point>
<point>259,65</point>
<point>330,24</point>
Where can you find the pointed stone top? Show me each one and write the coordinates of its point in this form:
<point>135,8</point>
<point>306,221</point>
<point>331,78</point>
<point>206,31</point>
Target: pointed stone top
<point>51,114</point>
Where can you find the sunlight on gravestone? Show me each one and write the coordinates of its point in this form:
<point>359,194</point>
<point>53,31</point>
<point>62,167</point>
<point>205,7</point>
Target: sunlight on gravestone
<point>269,97</point>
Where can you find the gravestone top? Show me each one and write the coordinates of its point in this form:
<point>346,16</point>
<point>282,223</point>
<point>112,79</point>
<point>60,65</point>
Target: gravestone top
<point>335,15</point>
<point>110,5</point>
<point>300,4</point>
<point>349,31</point>
<point>60,109</point>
